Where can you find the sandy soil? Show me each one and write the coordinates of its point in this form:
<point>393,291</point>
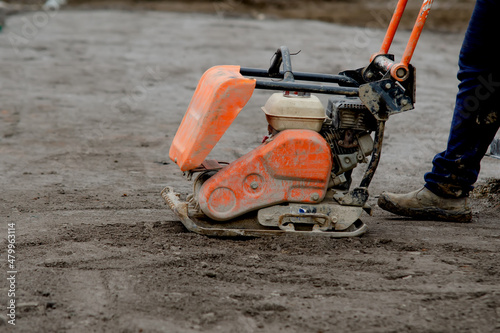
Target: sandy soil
<point>447,15</point>
<point>90,104</point>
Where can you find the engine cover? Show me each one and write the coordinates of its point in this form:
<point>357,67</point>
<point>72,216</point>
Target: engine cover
<point>294,166</point>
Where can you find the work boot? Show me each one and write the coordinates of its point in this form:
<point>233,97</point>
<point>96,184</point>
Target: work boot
<point>425,205</point>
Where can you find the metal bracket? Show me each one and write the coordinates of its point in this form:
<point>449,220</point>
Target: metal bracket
<point>384,98</point>
<point>356,197</point>
<point>326,225</point>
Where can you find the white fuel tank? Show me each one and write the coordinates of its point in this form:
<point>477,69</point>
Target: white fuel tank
<point>292,110</point>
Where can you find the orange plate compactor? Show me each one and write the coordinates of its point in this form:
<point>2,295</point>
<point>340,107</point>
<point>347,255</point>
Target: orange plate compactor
<point>299,179</point>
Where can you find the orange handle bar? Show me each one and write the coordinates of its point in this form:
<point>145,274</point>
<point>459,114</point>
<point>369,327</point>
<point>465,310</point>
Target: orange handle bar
<point>417,30</point>
<point>400,71</point>
<point>393,26</point>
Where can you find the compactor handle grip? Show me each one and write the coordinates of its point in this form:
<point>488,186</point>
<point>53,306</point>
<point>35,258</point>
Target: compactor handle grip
<point>399,71</point>
<point>393,27</point>
<point>282,55</point>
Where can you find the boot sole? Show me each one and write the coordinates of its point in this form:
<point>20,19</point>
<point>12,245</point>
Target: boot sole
<point>434,214</point>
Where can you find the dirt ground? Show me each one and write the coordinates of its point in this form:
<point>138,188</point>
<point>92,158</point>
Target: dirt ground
<point>447,15</point>
<point>91,100</point>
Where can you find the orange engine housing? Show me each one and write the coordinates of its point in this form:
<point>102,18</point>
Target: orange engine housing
<point>294,166</point>
<point>221,94</point>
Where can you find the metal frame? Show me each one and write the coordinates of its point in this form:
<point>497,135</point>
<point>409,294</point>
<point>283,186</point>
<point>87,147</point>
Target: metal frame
<point>244,227</point>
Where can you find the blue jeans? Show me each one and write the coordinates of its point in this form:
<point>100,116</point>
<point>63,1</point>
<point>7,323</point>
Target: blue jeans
<point>476,117</point>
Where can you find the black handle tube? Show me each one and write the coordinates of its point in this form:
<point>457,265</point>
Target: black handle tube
<point>303,76</point>
<point>383,63</point>
<point>377,150</point>
<point>282,55</point>
<point>313,88</point>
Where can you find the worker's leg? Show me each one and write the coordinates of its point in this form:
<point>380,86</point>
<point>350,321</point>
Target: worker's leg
<point>477,111</point>
<point>475,121</point>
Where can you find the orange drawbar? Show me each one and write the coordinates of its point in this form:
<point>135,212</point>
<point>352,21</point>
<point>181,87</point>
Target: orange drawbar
<point>221,94</point>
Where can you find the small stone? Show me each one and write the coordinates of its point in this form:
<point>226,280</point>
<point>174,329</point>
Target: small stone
<point>28,306</point>
<point>208,316</point>
<point>50,305</point>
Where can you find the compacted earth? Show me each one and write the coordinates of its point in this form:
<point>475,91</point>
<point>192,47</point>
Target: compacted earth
<point>90,103</point>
